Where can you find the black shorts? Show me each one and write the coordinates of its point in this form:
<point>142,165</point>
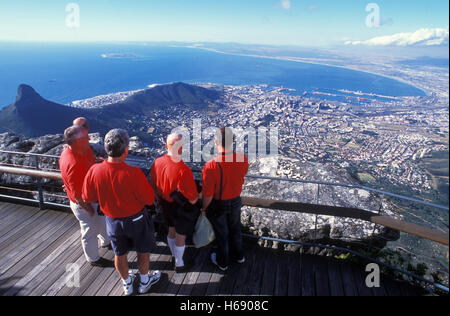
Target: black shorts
<point>182,218</point>
<point>131,233</point>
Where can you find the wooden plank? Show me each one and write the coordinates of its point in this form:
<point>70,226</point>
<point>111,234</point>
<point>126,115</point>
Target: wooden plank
<point>243,274</point>
<point>87,276</point>
<point>268,282</point>
<point>24,237</point>
<point>282,274</point>
<point>4,206</point>
<point>33,256</point>
<point>253,281</point>
<point>392,288</point>
<point>321,276</point>
<point>23,247</point>
<point>13,229</point>
<point>40,278</point>
<point>59,269</point>
<point>178,278</point>
<point>15,219</point>
<point>205,275</point>
<point>191,278</point>
<point>379,291</point>
<point>215,281</point>
<point>92,288</point>
<point>295,279</point>
<point>9,210</point>
<point>360,281</point>
<point>307,275</point>
<point>335,277</point>
<point>166,268</point>
<point>348,279</point>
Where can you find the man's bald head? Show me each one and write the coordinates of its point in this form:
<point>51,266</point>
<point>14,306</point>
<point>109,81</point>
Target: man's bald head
<point>82,122</point>
<point>174,139</point>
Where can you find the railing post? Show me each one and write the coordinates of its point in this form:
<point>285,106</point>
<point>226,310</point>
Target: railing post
<point>369,244</point>
<point>317,216</point>
<point>39,185</point>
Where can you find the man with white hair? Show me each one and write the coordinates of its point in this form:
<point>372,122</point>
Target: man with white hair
<point>123,192</point>
<point>170,174</point>
<point>75,161</point>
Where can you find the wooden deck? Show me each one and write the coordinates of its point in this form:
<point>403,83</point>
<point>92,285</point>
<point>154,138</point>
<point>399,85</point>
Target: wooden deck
<point>37,246</point>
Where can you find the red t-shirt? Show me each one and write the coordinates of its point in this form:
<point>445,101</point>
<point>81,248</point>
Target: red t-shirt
<point>234,167</point>
<point>74,168</point>
<point>121,190</point>
<point>168,176</point>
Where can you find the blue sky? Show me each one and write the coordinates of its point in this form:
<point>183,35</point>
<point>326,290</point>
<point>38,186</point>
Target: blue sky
<point>277,22</point>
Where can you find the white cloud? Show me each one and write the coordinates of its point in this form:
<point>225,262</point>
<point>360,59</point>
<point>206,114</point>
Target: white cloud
<point>422,37</point>
<point>286,4</point>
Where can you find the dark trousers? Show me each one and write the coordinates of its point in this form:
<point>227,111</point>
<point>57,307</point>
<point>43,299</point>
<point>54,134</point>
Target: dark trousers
<point>225,216</point>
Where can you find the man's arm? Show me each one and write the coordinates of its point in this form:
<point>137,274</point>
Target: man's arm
<point>187,186</point>
<point>206,203</point>
<point>88,194</point>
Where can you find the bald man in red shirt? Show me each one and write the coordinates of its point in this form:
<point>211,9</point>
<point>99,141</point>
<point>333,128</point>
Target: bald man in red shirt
<point>170,174</point>
<point>75,161</point>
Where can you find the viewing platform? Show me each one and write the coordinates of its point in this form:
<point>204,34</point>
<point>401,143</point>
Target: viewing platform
<point>39,249</point>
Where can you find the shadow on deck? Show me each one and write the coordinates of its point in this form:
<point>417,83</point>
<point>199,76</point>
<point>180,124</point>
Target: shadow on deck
<point>39,249</point>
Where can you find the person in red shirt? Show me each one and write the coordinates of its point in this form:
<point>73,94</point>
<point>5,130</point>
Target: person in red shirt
<point>170,174</point>
<point>74,163</point>
<point>123,192</point>
<point>223,178</point>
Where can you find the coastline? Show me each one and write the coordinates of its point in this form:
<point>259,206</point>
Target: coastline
<point>300,60</point>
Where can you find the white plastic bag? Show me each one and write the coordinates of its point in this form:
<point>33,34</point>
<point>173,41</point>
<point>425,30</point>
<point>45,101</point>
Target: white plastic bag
<point>204,233</point>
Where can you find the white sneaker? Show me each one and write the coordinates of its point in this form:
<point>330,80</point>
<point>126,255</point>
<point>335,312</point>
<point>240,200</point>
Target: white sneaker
<point>214,260</point>
<point>153,278</point>
<point>128,288</point>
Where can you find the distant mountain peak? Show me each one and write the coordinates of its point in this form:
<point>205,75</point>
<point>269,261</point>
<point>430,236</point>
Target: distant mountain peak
<point>25,91</point>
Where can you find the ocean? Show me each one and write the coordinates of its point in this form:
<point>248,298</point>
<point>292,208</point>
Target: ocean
<point>67,72</point>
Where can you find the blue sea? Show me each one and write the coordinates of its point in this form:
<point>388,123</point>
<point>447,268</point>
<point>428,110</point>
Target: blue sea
<point>66,72</point>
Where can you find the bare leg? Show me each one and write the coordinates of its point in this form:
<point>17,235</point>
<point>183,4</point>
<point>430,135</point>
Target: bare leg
<point>172,233</point>
<point>143,263</point>
<point>181,240</point>
<point>121,264</point>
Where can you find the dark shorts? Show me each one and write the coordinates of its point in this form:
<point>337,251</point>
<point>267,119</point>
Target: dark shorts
<point>131,233</point>
<point>182,218</point>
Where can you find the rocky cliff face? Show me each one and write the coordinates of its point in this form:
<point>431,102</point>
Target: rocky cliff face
<point>260,222</point>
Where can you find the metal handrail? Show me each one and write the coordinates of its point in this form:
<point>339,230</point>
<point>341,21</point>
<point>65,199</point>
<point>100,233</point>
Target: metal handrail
<point>347,212</point>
